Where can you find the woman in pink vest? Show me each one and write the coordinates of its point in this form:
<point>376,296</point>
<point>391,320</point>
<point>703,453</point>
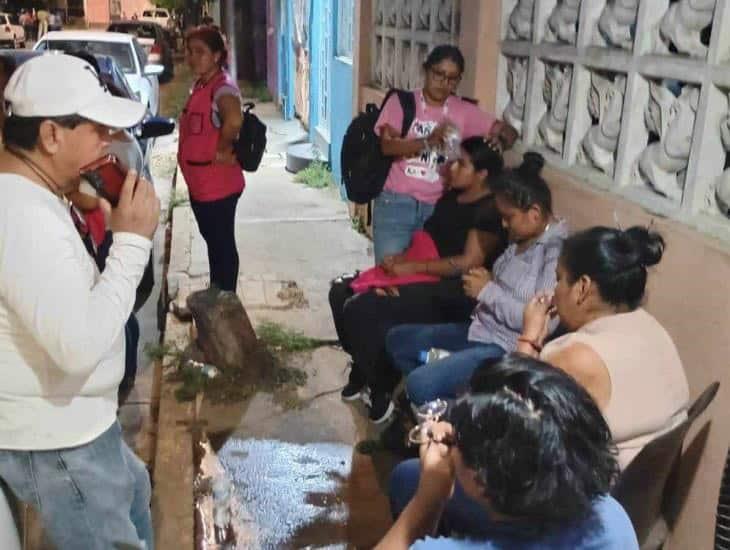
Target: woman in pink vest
<point>209,125</point>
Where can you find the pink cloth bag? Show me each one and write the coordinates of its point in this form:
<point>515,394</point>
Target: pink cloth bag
<point>422,249</point>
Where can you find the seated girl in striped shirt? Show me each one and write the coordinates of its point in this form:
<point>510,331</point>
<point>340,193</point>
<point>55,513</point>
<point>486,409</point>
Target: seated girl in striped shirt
<point>524,269</point>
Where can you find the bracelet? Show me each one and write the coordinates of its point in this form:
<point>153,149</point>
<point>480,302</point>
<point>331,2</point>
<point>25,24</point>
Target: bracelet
<point>537,347</point>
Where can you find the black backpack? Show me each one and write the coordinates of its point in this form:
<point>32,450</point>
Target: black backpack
<point>251,140</point>
<point>364,167</point>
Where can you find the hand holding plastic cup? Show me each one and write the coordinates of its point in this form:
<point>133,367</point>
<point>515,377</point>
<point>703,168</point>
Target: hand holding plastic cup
<point>452,142</point>
<point>428,413</point>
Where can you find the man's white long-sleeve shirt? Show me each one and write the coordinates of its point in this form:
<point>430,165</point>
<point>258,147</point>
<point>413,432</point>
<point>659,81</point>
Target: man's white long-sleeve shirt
<point>61,322</point>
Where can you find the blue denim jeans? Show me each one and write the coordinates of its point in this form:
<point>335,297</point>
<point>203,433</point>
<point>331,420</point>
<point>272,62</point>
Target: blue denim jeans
<point>445,378</point>
<point>95,496</point>
<point>462,514</point>
<point>395,218</point>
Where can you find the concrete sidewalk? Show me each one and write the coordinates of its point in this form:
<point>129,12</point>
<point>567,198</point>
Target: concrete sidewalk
<point>299,480</point>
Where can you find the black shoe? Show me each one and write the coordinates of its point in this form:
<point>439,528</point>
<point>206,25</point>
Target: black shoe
<point>381,408</point>
<point>394,438</point>
<point>355,386</point>
<point>352,391</point>
<point>403,404</point>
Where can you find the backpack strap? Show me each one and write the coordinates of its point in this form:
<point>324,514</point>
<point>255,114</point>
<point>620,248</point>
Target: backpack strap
<point>408,105</point>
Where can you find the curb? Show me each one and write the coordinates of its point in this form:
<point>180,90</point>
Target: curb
<point>172,496</point>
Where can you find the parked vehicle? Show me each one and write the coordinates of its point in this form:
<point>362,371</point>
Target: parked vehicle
<point>12,34</point>
<point>126,51</point>
<point>156,15</point>
<point>155,42</point>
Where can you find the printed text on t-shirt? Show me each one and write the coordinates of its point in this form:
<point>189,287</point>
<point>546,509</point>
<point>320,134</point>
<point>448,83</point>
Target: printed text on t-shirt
<point>425,166</point>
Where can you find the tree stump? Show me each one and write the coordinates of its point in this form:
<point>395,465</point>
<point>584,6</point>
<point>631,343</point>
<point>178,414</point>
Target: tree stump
<point>226,337</point>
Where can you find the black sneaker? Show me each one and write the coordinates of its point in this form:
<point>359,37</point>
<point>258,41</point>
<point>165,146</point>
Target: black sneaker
<point>365,396</point>
<point>354,388</point>
<point>406,408</point>
<point>381,408</point>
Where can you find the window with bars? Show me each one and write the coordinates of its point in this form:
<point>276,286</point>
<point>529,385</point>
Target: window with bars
<point>629,95</point>
<point>325,52</point>
<point>404,32</point>
<point>345,15</point>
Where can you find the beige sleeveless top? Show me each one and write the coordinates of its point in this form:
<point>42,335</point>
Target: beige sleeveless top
<point>649,389</point>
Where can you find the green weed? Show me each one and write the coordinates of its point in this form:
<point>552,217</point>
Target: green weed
<point>161,352</point>
<point>176,199</point>
<point>282,340</point>
<point>316,175</point>
<point>358,224</point>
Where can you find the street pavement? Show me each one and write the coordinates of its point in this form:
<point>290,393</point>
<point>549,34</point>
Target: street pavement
<point>299,481</point>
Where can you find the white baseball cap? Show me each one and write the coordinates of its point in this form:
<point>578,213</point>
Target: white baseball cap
<point>54,85</point>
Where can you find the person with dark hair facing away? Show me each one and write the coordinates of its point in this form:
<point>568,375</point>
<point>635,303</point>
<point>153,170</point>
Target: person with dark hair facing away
<point>524,462</point>
<point>415,182</point>
<point>525,268</point>
<point>209,126</point>
<point>465,228</point>
<point>619,352</point>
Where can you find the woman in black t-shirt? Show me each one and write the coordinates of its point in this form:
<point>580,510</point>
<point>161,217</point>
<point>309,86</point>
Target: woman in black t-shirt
<point>467,231</point>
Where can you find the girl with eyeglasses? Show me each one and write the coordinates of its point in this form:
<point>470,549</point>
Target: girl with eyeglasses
<point>415,182</point>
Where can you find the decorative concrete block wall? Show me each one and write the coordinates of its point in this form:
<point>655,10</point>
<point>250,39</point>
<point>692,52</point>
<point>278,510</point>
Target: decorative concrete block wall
<point>404,31</point>
<point>627,95</point>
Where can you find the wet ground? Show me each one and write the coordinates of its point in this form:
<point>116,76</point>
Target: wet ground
<point>315,495</point>
<point>297,479</point>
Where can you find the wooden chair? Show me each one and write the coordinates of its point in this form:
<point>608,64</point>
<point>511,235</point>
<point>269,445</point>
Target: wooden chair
<point>722,527</point>
<point>650,479</point>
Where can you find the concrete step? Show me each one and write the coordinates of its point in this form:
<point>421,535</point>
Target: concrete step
<point>300,155</point>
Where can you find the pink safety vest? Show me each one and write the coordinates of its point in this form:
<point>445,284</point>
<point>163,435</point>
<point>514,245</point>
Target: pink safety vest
<point>207,181</point>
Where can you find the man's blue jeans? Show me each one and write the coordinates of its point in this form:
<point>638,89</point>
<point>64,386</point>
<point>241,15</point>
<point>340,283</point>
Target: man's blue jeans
<point>445,378</point>
<point>395,218</point>
<point>95,496</point>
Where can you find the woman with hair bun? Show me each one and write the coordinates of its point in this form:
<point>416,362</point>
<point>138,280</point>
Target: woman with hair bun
<point>209,126</point>
<point>618,351</point>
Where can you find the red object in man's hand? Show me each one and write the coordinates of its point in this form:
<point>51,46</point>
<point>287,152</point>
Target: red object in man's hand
<point>106,176</point>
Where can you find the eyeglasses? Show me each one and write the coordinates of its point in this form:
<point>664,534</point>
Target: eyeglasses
<point>441,77</point>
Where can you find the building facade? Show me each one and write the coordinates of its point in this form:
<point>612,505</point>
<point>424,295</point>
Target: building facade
<point>101,12</point>
<point>311,69</point>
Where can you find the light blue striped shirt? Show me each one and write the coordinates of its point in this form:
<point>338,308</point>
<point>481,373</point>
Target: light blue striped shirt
<point>516,278</point>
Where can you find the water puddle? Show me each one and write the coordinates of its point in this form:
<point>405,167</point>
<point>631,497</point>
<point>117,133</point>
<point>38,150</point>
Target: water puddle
<point>296,495</point>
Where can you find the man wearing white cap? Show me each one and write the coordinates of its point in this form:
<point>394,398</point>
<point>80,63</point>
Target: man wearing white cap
<point>61,321</point>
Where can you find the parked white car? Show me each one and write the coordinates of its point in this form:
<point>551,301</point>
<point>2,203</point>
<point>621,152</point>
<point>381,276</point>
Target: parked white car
<point>11,33</point>
<point>156,15</point>
<point>126,51</point>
